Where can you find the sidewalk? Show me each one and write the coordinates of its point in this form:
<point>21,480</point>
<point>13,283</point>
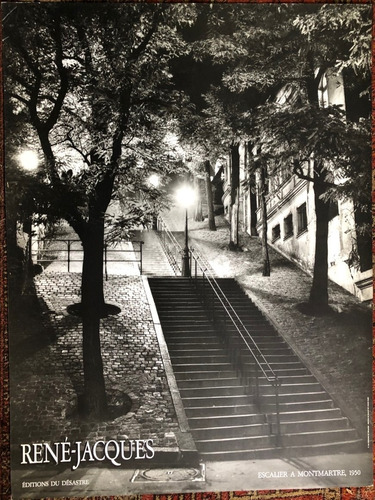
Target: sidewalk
<point>336,348</point>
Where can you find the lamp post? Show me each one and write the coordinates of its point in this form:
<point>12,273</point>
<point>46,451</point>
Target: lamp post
<point>186,197</point>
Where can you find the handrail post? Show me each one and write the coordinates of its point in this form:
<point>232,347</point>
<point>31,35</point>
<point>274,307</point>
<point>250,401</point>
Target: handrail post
<point>213,307</point>
<point>204,287</point>
<point>105,262</point>
<point>278,425</point>
<point>140,256</point>
<point>69,243</point>
<point>257,397</point>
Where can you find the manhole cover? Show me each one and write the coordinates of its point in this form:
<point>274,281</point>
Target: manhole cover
<point>169,474</point>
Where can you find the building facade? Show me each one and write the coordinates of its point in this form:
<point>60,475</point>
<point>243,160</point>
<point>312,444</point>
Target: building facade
<point>291,219</point>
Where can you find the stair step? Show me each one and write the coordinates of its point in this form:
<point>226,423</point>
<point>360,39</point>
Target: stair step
<point>198,367</point>
<point>234,443</point>
<point>290,388</point>
<point>314,425</point>
<point>208,382</point>
<point>298,406</point>
<point>211,392</point>
<point>220,410</point>
<point>247,454</point>
<point>312,414</point>
<point>213,401</point>
<point>319,437</point>
<point>279,366</point>
<point>227,432</point>
<point>293,379</point>
<point>199,359</point>
<point>191,376</point>
<point>225,420</point>
<point>192,333</point>
<point>296,397</point>
<point>183,343</point>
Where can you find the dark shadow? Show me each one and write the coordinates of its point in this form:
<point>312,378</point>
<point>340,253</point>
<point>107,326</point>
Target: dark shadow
<point>314,310</point>
<point>27,332</point>
<point>108,310</point>
<point>118,405</point>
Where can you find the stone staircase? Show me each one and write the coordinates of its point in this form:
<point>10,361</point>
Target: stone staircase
<point>225,421</point>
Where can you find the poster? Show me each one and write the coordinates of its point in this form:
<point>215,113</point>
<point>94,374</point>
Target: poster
<point>156,348</point>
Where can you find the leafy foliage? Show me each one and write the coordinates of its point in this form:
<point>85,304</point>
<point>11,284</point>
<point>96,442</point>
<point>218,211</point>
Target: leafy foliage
<point>291,136</point>
<point>98,94</point>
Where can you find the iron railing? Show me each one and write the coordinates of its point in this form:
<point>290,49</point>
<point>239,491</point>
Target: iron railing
<point>71,251</point>
<point>171,246</point>
<point>246,356</point>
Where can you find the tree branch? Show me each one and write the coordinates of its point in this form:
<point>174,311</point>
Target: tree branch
<point>76,148</point>
<point>133,56</point>
<point>19,98</point>
<point>64,82</point>
<point>298,171</point>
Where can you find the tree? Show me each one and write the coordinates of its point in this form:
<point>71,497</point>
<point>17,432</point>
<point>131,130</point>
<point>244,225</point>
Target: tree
<point>296,132</point>
<point>196,140</point>
<point>95,93</point>
<point>201,142</point>
<point>225,107</point>
<point>292,47</point>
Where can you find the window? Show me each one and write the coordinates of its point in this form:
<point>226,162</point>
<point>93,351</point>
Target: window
<point>288,226</point>
<point>276,233</point>
<point>301,219</point>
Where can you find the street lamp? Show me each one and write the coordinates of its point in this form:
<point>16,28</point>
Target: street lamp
<point>186,197</point>
<point>28,160</point>
<point>154,180</point>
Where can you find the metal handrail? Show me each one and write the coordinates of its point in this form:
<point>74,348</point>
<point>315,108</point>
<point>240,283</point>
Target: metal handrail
<point>171,246</point>
<point>198,257</point>
<point>43,253</point>
<point>261,362</point>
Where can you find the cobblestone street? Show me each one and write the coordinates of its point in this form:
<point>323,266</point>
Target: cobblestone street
<point>47,376</point>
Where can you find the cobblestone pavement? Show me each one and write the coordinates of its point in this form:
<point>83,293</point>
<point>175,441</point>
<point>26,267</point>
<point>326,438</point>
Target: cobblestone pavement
<point>337,348</point>
<point>47,368</point>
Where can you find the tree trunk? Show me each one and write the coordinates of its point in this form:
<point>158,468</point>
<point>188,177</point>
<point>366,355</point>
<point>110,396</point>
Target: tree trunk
<point>318,299</point>
<point>265,254</point>
<point>233,209</point>
<point>93,306</point>
<point>319,290</point>
<point>210,200</point>
<point>198,214</point>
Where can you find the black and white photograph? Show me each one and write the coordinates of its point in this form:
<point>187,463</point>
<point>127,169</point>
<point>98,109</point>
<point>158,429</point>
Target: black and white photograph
<point>189,251</point>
